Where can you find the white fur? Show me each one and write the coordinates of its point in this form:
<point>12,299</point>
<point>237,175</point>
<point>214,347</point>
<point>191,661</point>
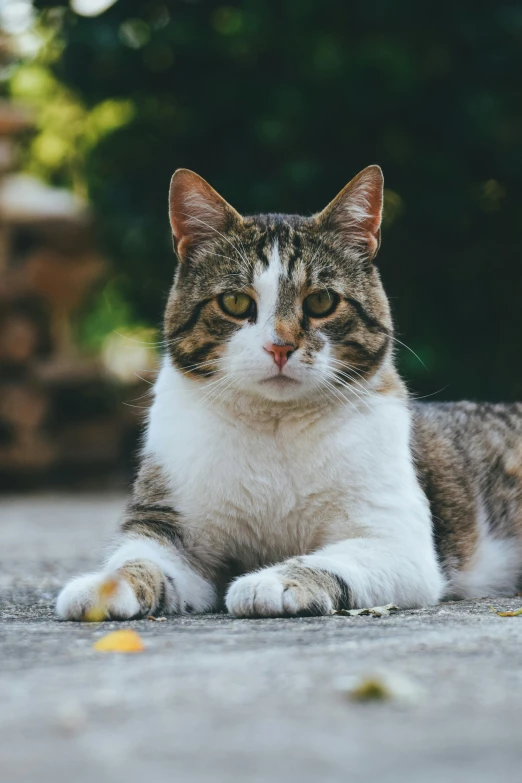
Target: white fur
<point>250,367</point>
<point>82,593</point>
<point>358,207</point>
<point>357,210</point>
<point>267,287</point>
<point>264,593</point>
<point>190,586</point>
<point>494,568</point>
<point>261,472</point>
<point>254,488</point>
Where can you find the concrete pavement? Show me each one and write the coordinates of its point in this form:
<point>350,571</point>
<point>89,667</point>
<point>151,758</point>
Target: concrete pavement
<point>213,699</point>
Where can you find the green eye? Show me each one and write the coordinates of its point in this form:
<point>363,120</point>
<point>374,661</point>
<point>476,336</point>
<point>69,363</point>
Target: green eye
<point>239,305</point>
<point>320,304</point>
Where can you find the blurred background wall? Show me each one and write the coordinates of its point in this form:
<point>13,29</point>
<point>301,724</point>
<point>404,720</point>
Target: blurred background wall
<point>278,105</point>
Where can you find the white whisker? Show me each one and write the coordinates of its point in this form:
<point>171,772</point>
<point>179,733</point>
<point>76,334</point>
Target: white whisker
<point>341,396</point>
<point>409,349</point>
<point>350,388</point>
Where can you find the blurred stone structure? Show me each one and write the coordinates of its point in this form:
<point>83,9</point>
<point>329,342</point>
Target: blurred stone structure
<point>62,420</point>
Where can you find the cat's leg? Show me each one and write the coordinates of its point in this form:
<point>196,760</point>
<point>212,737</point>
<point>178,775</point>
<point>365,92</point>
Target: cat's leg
<point>354,573</point>
<point>149,572</point>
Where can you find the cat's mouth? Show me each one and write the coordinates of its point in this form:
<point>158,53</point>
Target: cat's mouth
<point>280,380</point>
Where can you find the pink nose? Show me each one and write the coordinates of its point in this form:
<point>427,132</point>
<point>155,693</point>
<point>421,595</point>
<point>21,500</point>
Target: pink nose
<point>281,353</point>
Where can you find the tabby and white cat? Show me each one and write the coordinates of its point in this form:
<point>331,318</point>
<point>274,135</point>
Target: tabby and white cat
<point>285,471</point>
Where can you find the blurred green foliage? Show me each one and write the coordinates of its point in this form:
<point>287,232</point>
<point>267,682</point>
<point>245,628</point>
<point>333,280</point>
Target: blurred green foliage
<point>278,105</point>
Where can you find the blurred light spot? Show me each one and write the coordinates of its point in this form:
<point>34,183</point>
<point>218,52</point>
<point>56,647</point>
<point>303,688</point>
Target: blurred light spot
<point>91,7</point>
<point>31,81</point>
<point>50,149</point>
<point>109,115</point>
<point>134,33</point>
<point>393,207</point>
<point>228,20</point>
<point>270,129</point>
<point>127,354</point>
<point>328,55</point>
<point>491,195</point>
<point>23,197</point>
<point>16,16</point>
<point>160,17</point>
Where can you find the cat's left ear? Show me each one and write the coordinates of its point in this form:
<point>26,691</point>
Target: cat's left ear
<point>356,212</point>
<point>197,212</point>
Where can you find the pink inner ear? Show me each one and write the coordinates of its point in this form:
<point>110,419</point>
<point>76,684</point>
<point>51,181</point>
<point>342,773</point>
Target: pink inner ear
<point>357,210</point>
<point>197,212</point>
<point>187,207</point>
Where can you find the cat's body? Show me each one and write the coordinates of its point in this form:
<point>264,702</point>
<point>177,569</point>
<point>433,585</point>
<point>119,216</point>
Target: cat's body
<point>313,484</point>
<point>469,462</point>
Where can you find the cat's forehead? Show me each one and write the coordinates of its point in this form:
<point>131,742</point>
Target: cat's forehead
<point>291,247</point>
<point>283,239</point>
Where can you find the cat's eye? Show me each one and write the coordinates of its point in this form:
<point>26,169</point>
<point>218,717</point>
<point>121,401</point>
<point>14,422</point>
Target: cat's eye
<point>237,304</point>
<point>320,304</point>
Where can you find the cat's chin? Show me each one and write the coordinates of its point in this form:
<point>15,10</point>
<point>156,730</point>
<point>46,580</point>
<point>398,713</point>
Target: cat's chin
<point>280,387</point>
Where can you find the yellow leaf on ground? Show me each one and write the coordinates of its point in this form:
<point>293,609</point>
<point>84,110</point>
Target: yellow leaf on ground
<point>382,687</point>
<point>371,689</point>
<point>515,613</point>
<point>124,641</point>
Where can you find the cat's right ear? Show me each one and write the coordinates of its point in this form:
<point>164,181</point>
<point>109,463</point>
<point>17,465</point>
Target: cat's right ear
<point>197,212</point>
<point>356,212</point>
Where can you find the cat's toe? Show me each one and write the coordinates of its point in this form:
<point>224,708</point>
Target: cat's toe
<point>256,595</point>
<point>300,601</point>
<point>82,599</point>
<point>272,593</point>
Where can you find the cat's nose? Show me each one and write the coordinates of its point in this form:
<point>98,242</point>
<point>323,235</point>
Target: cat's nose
<point>281,353</point>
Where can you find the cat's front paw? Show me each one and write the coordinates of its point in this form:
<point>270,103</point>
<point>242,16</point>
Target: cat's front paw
<point>281,591</point>
<point>98,597</point>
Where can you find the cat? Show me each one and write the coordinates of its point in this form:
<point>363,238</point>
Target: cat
<point>285,470</point>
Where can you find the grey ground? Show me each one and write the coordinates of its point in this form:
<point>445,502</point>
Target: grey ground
<point>217,699</point>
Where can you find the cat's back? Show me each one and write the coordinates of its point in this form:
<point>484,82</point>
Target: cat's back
<point>480,437</point>
<point>469,461</point>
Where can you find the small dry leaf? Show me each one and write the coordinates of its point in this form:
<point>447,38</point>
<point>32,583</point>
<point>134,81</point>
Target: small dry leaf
<point>124,641</point>
<point>370,689</point>
<point>381,686</point>
<point>156,619</point>
<point>515,613</point>
<point>375,611</point>
<point>98,612</point>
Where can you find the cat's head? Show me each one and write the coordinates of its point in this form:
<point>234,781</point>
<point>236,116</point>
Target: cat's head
<point>274,305</point>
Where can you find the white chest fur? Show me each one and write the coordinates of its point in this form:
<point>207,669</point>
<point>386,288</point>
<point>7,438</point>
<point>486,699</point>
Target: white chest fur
<point>258,490</point>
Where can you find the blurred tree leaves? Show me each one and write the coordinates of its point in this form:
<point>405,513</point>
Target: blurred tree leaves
<point>278,104</point>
